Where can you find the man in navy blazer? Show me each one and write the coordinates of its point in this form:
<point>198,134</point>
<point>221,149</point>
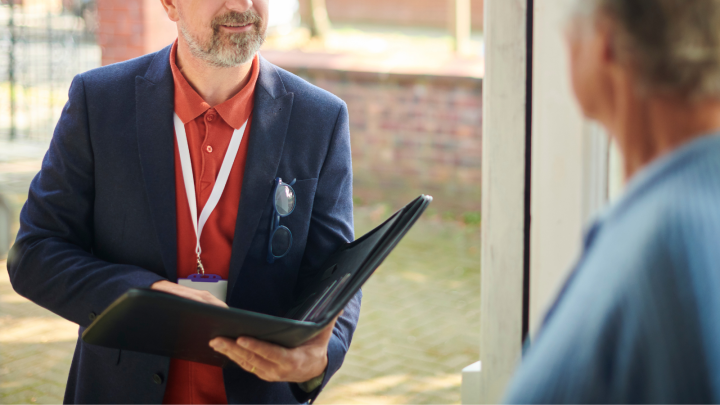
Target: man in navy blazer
<point>101,215</point>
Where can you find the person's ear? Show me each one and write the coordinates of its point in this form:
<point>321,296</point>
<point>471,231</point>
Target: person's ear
<point>607,41</point>
<point>611,58</point>
<point>171,9</point>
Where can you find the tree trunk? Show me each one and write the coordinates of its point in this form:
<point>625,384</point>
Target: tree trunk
<point>319,20</point>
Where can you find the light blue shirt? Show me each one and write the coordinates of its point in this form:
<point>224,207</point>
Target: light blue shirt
<point>639,318</point>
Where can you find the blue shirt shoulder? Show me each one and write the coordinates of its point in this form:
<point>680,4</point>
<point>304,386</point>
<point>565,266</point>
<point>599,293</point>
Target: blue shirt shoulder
<point>635,323</point>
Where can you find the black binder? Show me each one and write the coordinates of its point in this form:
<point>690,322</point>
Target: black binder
<point>154,322</point>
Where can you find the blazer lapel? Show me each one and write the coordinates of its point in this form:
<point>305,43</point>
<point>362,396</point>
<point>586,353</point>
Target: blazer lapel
<point>271,116</point>
<point>154,99</point>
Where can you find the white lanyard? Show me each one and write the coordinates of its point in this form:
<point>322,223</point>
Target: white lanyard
<point>189,180</point>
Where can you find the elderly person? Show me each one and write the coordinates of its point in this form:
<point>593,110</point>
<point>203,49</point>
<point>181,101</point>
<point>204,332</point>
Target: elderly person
<point>639,318</point>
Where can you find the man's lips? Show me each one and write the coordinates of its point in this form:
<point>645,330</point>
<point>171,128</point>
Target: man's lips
<point>243,28</point>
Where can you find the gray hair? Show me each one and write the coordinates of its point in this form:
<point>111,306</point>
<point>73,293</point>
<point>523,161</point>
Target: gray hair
<point>673,45</point>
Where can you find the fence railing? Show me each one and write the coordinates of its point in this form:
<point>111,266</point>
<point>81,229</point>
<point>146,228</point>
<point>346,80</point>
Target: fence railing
<point>40,53</point>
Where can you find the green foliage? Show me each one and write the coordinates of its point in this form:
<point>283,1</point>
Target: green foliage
<point>448,216</point>
<point>472,218</point>
<point>358,202</point>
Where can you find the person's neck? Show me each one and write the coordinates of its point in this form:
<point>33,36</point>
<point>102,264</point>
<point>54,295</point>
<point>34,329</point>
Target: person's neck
<point>214,84</point>
<point>650,127</point>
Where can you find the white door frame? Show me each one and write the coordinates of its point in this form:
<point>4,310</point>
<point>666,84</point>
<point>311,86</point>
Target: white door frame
<point>545,174</point>
<point>503,192</point>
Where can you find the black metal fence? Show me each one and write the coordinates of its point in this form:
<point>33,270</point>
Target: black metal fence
<point>40,52</point>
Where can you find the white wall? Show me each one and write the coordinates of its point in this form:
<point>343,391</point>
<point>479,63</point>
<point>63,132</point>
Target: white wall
<point>569,163</point>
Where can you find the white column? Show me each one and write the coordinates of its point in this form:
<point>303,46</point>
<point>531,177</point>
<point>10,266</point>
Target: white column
<point>503,188</point>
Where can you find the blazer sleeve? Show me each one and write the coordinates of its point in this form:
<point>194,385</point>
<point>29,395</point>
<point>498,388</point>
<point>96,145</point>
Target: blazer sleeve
<point>331,226</point>
<point>51,262</point>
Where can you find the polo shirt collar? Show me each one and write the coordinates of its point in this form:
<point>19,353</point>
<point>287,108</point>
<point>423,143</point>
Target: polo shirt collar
<point>189,104</point>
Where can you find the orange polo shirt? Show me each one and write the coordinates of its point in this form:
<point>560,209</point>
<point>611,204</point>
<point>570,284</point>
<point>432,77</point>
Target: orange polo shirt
<point>209,130</point>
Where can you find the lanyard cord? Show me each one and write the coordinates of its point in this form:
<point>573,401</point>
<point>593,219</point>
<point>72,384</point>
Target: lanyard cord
<point>189,180</point>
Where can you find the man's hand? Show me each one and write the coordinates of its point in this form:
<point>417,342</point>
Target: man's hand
<point>275,363</point>
<point>187,292</point>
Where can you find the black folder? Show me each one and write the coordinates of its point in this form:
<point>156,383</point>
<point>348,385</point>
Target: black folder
<point>158,323</point>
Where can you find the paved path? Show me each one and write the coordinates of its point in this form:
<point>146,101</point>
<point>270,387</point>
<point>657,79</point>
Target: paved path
<point>419,323</point>
<point>419,327</point>
<point>36,347</point>
<point>19,162</point>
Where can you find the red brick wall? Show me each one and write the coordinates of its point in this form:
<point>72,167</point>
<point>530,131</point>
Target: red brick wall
<point>132,28</point>
<point>120,30</point>
<point>424,13</point>
<point>161,32</point>
<point>412,135</point>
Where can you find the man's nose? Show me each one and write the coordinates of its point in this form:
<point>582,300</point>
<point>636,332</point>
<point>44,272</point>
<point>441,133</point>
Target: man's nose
<point>240,6</point>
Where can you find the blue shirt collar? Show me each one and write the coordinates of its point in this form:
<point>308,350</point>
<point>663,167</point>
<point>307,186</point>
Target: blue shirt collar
<point>646,177</point>
<point>660,167</point>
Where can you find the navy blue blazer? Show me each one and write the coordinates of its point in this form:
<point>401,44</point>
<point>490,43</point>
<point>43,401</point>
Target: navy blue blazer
<point>101,217</point>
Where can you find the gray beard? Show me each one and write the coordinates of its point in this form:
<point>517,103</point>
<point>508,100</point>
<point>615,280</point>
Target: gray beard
<point>218,52</point>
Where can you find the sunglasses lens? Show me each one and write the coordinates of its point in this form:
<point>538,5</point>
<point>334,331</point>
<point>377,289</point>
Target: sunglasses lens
<point>284,200</point>
<point>281,242</point>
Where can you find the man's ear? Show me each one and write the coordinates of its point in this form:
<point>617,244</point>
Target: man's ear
<point>171,9</point>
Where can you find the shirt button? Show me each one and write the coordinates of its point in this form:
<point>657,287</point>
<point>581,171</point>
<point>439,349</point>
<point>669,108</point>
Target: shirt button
<point>209,149</point>
<point>92,316</point>
<point>157,379</point>
<point>210,117</point>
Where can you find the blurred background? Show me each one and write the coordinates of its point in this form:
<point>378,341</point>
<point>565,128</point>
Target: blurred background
<point>411,73</point>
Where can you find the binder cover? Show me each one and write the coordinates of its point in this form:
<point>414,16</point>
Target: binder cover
<point>154,322</point>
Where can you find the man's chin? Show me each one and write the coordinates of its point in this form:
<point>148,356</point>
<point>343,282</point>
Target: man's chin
<point>228,36</point>
<point>233,57</point>
<point>231,38</point>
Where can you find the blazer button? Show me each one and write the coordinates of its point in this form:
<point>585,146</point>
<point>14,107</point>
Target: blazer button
<point>92,316</point>
<point>157,379</point>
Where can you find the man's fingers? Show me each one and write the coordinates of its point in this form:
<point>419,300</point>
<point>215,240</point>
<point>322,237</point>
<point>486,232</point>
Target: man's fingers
<point>201,296</point>
<point>188,293</point>
<point>211,299</point>
<point>324,336</point>
<point>272,352</point>
<point>248,360</point>
<point>331,325</point>
<point>256,365</point>
<point>327,332</point>
<point>272,362</point>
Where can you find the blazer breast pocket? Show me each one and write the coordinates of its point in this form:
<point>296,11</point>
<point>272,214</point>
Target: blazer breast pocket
<point>299,220</point>
<point>304,197</point>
